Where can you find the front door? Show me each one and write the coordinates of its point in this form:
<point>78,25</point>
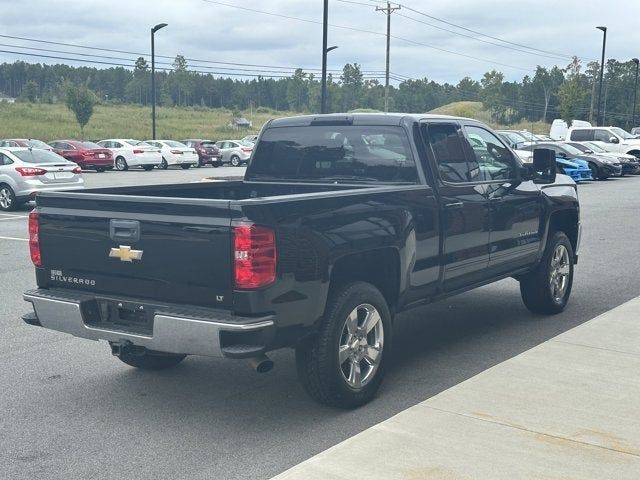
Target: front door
<point>464,206</point>
<point>515,206</point>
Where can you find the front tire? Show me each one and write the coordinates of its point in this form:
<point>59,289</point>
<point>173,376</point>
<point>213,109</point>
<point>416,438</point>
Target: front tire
<point>100,169</point>
<point>7,198</point>
<point>595,172</point>
<point>547,289</point>
<point>121,164</point>
<point>186,167</point>
<point>343,364</point>
<point>148,168</point>
<point>152,360</point>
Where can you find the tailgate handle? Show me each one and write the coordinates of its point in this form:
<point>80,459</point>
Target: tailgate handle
<point>124,230</point>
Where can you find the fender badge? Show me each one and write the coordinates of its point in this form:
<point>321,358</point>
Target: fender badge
<point>125,254</point>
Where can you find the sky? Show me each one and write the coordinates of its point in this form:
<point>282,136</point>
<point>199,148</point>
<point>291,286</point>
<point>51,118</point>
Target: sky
<point>238,32</point>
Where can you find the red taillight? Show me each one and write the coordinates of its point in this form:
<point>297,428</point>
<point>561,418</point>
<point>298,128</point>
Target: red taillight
<point>87,153</point>
<point>247,150</point>
<point>77,170</point>
<point>138,151</point>
<point>30,171</point>
<point>34,239</point>
<point>254,256</point>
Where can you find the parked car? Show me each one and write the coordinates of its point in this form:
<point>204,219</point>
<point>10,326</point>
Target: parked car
<point>250,138</point>
<point>570,161</point>
<point>24,142</point>
<point>129,153</point>
<point>612,139</point>
<point>326,239</point>
<point>27,171</point>
<point>635,131</point>
<point>235,152</point>
<point>603,164</point>
<point>208,152</point>
<point>89,155</point>
<point>513,138</point>
<point>174,154</point>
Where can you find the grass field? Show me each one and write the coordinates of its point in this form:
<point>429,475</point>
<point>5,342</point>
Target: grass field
<point>54,121</point>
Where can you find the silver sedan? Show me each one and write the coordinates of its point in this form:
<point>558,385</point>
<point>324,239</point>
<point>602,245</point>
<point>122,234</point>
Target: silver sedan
<point>235,152</point>
<point>25,172</point>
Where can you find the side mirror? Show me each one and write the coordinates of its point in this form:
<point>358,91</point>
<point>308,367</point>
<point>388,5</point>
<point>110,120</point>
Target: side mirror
<point>544,165</point>
<point>613,140</point>
<point>562,154</point>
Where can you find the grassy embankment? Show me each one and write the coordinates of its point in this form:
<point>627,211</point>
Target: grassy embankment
<point>50,122</point>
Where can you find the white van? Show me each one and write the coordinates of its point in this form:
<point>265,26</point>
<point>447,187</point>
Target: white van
<point>559,128</point>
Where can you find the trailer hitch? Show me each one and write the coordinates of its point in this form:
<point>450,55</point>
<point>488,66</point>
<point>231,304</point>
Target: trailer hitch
<point>125,347</point>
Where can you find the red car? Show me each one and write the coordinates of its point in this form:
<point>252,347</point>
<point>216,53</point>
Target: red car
<point>89,155</point>
<point>207,150</point>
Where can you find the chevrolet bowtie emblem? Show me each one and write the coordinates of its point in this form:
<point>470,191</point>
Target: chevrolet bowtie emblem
<point>125,254</point>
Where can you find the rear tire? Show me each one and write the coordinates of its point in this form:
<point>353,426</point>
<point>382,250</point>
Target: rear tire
<point>148,168</point>
<point>235,161</point>
<point>100,169</point>
<point>7,198</point>
<point>121,164</point>
<point>547,288</point>
<point>186,167</point>
<point>152,360</point>
<point>343,364</point>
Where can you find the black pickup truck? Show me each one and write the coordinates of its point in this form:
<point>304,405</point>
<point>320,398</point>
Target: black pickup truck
<point>341,222</point>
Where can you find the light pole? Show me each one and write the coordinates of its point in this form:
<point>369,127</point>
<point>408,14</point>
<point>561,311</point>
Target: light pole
<point>604,45</point>
<point>153,79</point>
<point>325,50</point>
<point>635,91</point>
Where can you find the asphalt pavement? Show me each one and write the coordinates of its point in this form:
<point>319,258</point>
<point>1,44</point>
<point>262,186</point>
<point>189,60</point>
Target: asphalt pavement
<point>70,410</point>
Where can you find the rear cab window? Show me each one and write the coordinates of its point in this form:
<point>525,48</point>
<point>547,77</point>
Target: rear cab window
<point>335,152</point>
<point>582,135</point>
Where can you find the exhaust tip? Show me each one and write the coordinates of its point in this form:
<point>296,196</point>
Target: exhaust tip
<point>261,364</point>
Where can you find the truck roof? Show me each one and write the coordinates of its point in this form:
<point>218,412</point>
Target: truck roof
<point>361,119</point>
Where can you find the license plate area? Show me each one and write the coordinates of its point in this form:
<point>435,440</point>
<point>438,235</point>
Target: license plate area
<point>130,317</point>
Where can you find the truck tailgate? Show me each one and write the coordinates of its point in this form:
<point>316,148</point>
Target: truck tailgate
<point>177,251</point>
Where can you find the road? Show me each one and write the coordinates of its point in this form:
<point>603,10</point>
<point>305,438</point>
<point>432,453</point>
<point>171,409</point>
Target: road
<point>71,411</point>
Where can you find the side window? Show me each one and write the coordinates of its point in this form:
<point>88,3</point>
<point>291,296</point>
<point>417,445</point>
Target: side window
<point>448,150</point>
<point>116,145</point>
<point>4,160</point>
<point>602,136</point>
<point>494,161</point>
<point>585,135</point>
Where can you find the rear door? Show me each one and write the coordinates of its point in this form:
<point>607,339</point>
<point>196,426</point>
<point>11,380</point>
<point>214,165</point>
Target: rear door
<point>464,206</point>
<point>515,206</point>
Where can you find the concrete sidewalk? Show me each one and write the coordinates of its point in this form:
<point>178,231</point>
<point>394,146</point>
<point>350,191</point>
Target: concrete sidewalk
<point>566,409</point>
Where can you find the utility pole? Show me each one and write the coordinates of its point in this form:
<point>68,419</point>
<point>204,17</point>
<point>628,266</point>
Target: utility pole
<point>388,10</point>
<point>325,50</point>
<point>635,92</point>
<point>604,46</point>
<point>153,78</point>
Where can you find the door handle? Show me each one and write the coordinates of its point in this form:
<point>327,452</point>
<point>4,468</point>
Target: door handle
<point>496,199</point>
<point>128,230</point>
<point>454,205</point>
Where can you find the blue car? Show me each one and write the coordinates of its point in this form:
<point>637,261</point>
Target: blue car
<point>577,169</point>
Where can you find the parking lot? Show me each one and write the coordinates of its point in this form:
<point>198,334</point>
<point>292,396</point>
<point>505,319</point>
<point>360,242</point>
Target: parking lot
<point>70,410</point>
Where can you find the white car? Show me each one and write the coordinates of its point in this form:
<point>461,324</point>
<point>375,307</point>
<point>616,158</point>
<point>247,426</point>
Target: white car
<point>129,153</point>
<point>612,139</point>
<point>26,171</point>
<point>175,153</point>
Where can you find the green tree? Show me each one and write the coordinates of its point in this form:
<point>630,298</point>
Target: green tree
<point>491,94</point>
<point>572,92</point>
<point>80,100</point>
<point>30,91</point>
<point>141,67</point>
<point>352,86</point>
<point>297,91</point>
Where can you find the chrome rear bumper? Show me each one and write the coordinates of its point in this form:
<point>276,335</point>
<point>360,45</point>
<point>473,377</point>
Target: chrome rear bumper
<point>183,331</point>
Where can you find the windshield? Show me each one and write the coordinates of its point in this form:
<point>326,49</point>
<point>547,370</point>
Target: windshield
<point>90,145</point>
<point>582,148</point>
<point>332,152</point>
<point>38,144</point>
<point>528,136</point>
<point>621,133</point>
<point>571,149</point>
<point>208,144</point>
<point>173,144</point>
<point>595,147</point>
<point>38,156</point>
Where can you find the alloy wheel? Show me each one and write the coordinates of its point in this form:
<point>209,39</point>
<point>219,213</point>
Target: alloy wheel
<point>360,346</point>
<point>6,198</point>
<point>559,275</point>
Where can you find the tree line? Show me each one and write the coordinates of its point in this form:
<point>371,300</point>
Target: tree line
<point>568,92</point>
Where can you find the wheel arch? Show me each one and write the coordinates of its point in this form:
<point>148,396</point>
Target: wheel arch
<point>380,267</point>
<point>565,221</point>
